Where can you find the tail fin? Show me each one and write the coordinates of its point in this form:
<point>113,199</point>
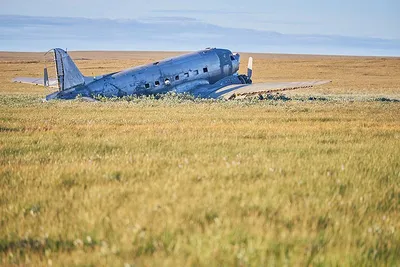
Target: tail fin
<point>68,74</point>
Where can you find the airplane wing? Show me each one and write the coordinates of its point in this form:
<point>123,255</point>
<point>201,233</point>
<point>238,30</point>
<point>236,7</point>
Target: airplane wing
<point>241,86</point>
<point>36,81</point>
<point>241,90</point>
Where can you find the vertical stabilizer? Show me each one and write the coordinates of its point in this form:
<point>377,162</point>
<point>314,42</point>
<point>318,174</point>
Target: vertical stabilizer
<point>68,74</point>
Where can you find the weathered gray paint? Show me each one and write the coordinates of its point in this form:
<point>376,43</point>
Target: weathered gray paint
<point>200,68</point>
<point>205,73</point>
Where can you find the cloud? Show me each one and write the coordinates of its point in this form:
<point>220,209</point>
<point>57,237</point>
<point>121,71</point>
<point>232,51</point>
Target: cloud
<point>172,33</point>
<point>285,22</point>
<point>204,11</point>
<point>168,19</point>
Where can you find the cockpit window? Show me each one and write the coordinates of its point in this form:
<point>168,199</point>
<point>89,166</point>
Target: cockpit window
<point>232,57</point>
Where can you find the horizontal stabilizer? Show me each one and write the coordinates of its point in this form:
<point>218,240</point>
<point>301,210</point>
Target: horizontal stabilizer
<point>36,81</point>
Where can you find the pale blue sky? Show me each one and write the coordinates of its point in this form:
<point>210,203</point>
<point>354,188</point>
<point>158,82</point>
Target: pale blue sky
<point>367,18</point>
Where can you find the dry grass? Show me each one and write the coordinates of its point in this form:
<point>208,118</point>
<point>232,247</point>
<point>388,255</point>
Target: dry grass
<point>350,75</point>
<point>177,182</point>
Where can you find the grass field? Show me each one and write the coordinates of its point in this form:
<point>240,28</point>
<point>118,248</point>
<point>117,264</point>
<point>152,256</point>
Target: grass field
<point>308,179</point>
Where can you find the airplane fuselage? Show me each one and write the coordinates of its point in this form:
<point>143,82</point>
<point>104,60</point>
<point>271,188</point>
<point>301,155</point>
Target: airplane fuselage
<point>180,74</point>
<point>209,73</point>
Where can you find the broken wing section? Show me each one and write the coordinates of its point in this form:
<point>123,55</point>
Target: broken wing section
<point>242,90</point>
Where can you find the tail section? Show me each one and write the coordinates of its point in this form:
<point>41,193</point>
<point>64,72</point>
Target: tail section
<point>68,74</point>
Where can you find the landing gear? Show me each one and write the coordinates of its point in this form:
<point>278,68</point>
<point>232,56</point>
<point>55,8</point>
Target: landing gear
<point>244,79</point>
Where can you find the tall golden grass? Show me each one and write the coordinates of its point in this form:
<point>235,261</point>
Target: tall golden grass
<point>313,180</point>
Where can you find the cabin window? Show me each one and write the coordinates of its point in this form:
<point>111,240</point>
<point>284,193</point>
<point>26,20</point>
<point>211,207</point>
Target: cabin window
<point>147,85</point>
<point>205,69</point>
<point>196,72</point>
<point>156,83</point>
<point>177,78</point>
<point>186,74</point>
<point>167,82</point>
